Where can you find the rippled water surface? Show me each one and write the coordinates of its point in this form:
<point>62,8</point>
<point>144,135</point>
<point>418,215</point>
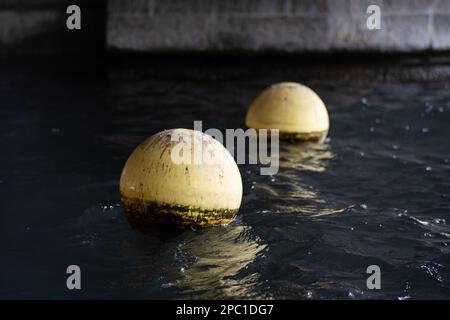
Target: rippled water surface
<point>377,192</point>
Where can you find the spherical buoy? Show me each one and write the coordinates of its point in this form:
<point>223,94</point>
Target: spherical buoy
<point>294,109</point>
<point>180,176</point>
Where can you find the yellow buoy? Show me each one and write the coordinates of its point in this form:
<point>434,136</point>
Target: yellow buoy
<point>294,109</point>
<point>180,176</point>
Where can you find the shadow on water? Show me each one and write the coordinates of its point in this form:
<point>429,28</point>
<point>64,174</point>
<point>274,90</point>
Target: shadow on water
<point>163,232</point>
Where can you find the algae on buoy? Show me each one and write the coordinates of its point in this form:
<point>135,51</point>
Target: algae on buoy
<point>294,109</point>
<point>180,176</point>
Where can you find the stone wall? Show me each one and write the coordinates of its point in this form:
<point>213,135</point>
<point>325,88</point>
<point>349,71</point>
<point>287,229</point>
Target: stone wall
<point>277,25</point>
<point>225,25</point>
<point>37,26</point>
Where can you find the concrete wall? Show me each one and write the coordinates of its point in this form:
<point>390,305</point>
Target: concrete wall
<point>197,25</point>
<point>36,26</point>
<point>280,25</point>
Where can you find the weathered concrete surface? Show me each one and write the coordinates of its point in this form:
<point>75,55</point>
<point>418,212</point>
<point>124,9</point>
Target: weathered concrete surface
<point>36,26</point>
<point>277,25</point>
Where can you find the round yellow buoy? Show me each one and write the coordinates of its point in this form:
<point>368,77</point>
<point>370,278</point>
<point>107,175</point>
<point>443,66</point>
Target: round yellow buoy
<point>180,176</point>
<point>294,109</point>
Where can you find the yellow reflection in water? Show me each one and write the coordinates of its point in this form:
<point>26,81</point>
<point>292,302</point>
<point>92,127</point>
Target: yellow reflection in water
<point>221,254</point>
<point>293,194</point>
<point>305,156</point>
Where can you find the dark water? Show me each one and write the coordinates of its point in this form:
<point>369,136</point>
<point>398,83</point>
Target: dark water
<point>378,192</point>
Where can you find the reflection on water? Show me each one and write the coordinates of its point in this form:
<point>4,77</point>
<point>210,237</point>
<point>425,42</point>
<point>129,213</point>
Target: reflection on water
<point>220,255</point>
<point>293,194</point>
<point>203,263</point>
<point>305,156</point>
<point>376,193</point>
